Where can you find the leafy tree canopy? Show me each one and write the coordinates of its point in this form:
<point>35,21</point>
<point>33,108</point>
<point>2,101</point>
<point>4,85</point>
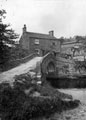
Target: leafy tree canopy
<point>7,37</point>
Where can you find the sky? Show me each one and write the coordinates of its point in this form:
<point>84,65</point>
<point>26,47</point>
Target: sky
<point>66,17</point>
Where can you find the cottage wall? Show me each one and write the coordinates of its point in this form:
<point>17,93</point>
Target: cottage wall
<point>44,44</point>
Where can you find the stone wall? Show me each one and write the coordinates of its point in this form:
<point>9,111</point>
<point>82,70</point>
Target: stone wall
<point>65,66</point>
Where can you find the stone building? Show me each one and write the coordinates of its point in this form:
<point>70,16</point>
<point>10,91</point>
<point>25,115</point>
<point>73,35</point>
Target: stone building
<point>73,50</point>
<point>73,47</point>
<point>37,42</point>
<point>68,45</point>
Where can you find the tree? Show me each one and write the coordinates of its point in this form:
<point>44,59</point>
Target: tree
<point>80,37</point>
<point>7,37</point>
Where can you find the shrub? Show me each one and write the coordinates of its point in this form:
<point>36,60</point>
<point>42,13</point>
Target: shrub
<point>16,105</point>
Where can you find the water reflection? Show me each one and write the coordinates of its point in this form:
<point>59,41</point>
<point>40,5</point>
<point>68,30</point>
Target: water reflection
<point>76,93</point>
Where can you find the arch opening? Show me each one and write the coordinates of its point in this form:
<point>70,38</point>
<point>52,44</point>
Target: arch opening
<point>51,73</point>
<point>50,68</point>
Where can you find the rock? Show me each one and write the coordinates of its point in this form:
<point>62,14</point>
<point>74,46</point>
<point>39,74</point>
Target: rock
<point>28,91</point>
<point>36,94</point>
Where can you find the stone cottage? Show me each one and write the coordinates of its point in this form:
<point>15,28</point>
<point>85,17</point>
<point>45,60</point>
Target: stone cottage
<point>38,42</point>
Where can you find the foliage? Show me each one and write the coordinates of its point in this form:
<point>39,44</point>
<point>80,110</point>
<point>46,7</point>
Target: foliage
<point>80,65</point>
<point>78,38</point>
<point>61,39</point>
<point>7,37</point>
<point>16,105</point>
<point>18,53</point>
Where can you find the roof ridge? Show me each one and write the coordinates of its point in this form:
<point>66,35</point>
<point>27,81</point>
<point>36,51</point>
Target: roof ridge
<point>46,35</point>
<point>39,33</point>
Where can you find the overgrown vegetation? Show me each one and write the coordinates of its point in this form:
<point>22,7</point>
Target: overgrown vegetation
<point>80,65</point>
<point>17,53</point>
<point>17,104</point>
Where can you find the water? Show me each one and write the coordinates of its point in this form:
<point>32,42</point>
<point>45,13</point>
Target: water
<point>79,94</point>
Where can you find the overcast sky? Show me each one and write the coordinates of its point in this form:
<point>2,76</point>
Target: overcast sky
<point>66,17</point>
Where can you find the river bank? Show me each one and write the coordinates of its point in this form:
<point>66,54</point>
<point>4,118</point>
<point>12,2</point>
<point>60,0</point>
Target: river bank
<point>79,94</point>
<point>78,113</point>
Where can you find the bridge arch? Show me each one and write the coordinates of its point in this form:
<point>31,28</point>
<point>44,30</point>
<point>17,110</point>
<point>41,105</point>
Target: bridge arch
<point>48,65</point>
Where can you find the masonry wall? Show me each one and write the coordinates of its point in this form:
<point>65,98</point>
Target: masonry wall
<point>24,42</point>
<point>44,45</point>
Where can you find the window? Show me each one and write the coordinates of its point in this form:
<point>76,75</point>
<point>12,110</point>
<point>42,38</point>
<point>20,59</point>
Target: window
<point>36,41</point>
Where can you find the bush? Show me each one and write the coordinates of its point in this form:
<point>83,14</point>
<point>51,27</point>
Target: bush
<point>16,105</point>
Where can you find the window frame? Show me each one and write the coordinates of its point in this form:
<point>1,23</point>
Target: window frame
<point>36,42</point>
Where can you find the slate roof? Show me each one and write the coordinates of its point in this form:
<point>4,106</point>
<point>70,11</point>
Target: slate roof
<point>41,36</point>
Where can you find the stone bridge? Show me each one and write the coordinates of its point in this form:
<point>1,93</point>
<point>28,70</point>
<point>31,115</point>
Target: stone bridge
<point>45,65</point>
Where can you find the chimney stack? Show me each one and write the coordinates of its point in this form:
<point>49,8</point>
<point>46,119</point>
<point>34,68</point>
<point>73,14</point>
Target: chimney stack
<point>51,33</point>
<point>24,28</point>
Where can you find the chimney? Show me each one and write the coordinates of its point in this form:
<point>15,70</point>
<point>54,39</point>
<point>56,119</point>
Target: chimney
<point>24,28</point>
<point>51,33</point>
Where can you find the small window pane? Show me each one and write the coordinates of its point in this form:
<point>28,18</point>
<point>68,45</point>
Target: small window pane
<point>36,41</point>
